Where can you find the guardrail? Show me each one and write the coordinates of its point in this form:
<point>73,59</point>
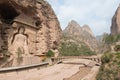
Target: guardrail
<point>93,58</point>
<point>27,67</point>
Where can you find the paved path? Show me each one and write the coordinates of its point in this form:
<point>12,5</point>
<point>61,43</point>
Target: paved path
<point>56,72</point>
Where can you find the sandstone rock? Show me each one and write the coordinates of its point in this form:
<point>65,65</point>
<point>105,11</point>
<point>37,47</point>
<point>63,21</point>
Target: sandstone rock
<point>28,25</point>
<point>115,28</point>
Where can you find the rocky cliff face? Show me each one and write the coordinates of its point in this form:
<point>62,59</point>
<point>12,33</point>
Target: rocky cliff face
<point>82,34</point>
<point>115,28</point>
<point>29,26</point>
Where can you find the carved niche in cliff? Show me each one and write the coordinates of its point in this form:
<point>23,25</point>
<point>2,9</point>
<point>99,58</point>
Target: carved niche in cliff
<point>28,25</point>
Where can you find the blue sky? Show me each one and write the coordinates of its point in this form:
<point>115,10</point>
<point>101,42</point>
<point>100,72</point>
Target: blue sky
<point>95,13</point>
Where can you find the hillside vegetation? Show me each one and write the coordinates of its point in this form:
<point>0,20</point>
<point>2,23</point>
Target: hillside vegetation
<point>71,46</point>
<point>109,39</point>
<point>110,68</point>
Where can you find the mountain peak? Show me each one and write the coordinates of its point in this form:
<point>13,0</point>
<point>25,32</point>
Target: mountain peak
<point>87,29</point>
<point>73,23</point>
<point>81,34</point>
<point>73,27</point>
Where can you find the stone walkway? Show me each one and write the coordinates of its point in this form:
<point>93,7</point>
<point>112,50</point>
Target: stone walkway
<point>55,72</point>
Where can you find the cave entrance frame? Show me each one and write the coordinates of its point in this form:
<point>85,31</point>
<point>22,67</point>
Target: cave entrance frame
<point>7,11</point>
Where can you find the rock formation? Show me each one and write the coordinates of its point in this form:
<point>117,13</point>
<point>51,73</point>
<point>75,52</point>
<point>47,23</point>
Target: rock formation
<point>28,26</point>
<point>82,34</point>
<point>115,28</point>
<point>87,29</point>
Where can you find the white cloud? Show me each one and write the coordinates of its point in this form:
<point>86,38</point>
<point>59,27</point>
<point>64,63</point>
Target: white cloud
<point>96,13</point>
<point>99,27</point>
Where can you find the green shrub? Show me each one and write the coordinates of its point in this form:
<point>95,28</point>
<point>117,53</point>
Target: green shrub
<point>109,39</point>
<point>72,49</point>
<point>50,53</point>
<point>106,58</point>
<point>117,48</point>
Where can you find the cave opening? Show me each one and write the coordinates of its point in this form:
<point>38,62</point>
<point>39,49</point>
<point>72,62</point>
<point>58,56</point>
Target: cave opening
<point>7,13</point>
